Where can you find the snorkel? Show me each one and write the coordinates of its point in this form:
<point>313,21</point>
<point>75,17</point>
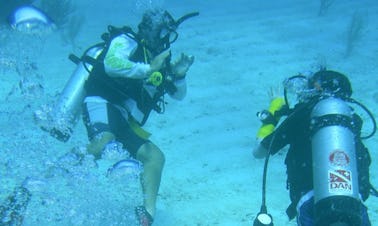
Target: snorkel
<point>169,39</point>
<point>159,35</point>
<point>185,17</point>
<point>171,35</point>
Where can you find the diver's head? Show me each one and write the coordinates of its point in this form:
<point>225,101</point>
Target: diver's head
<point>157,30</point>
<point>31,20</point>
<point>303,89</point>
<point>326,82</point>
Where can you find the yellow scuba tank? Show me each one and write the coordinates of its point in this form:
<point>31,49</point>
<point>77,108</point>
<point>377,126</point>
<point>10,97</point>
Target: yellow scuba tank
<point>64,114</point>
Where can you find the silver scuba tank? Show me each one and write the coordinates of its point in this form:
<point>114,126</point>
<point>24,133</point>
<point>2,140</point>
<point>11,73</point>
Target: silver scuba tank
<point>68,107</point>
<point>335,175</point>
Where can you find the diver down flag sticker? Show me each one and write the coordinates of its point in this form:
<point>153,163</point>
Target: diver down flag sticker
<point>340,181</point>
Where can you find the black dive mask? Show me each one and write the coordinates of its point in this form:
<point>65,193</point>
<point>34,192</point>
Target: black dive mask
<point>168,35</point>
<point>159,33</point>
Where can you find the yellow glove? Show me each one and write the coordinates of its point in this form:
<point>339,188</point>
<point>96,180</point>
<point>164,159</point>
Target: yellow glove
<point>276,105</point>
<point>270,117</point>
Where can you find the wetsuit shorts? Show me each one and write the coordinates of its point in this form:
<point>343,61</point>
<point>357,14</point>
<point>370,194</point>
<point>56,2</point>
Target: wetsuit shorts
<point>100,116</point>
<point>305,210</point>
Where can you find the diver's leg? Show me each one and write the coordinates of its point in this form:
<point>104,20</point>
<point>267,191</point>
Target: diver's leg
<point>365,216</point>
<point>305,213</point>
<point>153,162</point>
<point>96,120</point>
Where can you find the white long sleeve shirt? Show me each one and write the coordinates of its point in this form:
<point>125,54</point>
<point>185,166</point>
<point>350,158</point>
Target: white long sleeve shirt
<point>117,64</point>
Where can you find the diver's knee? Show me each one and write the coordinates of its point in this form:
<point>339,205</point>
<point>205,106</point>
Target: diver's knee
<point>150,152</point>
<point>98,143</point>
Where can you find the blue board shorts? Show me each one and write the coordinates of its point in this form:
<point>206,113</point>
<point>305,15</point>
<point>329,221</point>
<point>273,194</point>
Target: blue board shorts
<point>305,211</point>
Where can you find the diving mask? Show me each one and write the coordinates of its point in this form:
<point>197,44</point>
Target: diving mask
<point>296,89</point>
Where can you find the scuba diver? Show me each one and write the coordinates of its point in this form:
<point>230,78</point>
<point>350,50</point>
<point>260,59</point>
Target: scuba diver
<point>9,6</point>
<point>23,16</point>
<point>119,82</point>
<point>327,162</point>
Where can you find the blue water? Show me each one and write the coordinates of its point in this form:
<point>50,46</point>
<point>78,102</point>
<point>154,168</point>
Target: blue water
<point>242,48</point>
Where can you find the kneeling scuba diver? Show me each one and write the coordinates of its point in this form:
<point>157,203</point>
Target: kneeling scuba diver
<point>327,163</point>
<point>60,119</point>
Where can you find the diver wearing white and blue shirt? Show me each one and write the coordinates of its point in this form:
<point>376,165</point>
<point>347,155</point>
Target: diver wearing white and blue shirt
<point>134,74</point>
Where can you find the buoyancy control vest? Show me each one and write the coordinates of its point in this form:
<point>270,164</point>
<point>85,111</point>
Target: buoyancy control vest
<point>116,90</point>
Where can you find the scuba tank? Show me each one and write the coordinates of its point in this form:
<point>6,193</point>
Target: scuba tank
<point>67,110</point>
<point>335,175</point>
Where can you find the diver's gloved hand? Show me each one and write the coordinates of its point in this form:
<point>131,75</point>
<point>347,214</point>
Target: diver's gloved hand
<point>271,116</point>
<point>158,62</point>
<point>182,65</point>
<point>278,106</point>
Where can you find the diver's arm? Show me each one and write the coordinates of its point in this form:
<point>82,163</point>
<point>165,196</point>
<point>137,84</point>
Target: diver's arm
<point>180,91</point>
<point>267,132</point>
<point>179,68</point>
<point>260,151</point>
<point>117,63</point>
<point>272,143</point>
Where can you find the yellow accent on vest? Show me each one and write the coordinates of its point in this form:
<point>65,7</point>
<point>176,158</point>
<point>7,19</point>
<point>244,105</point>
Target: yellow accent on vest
<point>138,130</point>
<point>276,104</point>
<point>144,51</point>
<point>156,78</point>
<point>265,130</point>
